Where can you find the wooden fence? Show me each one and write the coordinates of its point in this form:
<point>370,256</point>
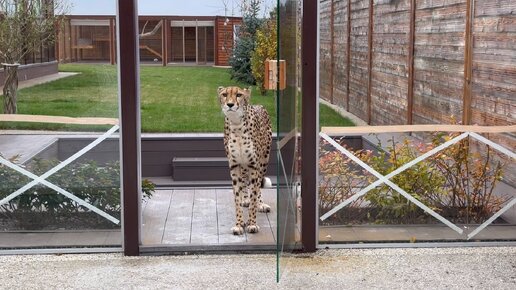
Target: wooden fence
<point>393,62</point>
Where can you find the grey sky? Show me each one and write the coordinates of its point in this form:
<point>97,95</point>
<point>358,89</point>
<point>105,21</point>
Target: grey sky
<point>165,7</point>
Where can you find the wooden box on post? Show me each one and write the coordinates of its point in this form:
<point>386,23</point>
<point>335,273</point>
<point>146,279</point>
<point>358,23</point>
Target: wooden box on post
<point>271,75</point>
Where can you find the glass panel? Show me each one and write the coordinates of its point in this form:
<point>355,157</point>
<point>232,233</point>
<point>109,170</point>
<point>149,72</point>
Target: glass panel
<point>413,69</point>
<point>59,152</point>
<point>288,106</point>
<point>182,145</point>
<point>460,189</point>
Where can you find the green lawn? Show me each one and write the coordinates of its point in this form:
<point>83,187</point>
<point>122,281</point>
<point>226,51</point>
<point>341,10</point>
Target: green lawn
<point>173,99</point>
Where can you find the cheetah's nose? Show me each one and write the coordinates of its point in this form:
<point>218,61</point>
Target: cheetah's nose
<point>230,105</point>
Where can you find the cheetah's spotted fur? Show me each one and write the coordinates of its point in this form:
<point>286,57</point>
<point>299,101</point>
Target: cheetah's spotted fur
<point>247,139</point>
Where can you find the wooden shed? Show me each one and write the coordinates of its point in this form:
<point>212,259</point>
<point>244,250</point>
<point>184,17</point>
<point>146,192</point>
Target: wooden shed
<point>163,39</point>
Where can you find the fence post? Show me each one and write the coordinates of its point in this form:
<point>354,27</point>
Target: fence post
<point>370,60</point>
<point>332,50</point>
<point>412,39</point>
<point>468,63</point>
<point>348,67</point>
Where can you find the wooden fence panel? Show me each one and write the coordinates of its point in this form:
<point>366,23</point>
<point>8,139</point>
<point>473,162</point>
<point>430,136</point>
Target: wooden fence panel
<point>439,61</point>
<point>390,67</point>
<point>358,81</point>
<point>325,50</point>
<point>439,86</point>
<point>493,97</point>
<point>340,32</point>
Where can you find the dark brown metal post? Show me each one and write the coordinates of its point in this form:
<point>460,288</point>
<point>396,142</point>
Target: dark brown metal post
<point>410,64</point>
<point>348,67</point>
<point>129,88</point>
<point>309,130</point>
<point>468,63</point>
<point>370,60</point>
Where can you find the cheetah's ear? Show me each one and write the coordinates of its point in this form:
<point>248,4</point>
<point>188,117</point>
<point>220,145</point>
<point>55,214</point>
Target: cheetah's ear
<point>220,89</point>
<point>248,91</point>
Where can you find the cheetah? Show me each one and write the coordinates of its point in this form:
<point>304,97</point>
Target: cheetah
<point>247,140</point>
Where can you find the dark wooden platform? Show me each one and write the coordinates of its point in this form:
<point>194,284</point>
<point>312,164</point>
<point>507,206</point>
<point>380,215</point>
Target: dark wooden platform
<point>201,217</point>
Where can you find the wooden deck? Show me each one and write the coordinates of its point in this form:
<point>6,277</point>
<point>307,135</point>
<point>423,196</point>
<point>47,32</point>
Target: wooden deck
<point>201,217</point>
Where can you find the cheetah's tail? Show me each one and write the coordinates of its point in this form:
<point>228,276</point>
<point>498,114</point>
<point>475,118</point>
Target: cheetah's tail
<point>266,182</point>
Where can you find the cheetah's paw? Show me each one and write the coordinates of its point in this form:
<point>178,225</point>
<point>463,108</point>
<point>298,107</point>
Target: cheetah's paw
<point>237,230</point>
<point>252,229</point>
<point>264,208</point>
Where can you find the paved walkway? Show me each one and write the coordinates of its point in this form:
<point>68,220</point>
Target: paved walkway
<point>459,268</point>
<point>41,80</point>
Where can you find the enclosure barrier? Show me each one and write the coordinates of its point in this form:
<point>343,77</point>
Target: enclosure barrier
<point>467,131</point>
<point>42,178</point>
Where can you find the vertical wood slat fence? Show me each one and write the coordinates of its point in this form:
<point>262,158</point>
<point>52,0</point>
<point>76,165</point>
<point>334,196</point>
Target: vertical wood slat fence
<point>396,62</point>
<point>420,62</point>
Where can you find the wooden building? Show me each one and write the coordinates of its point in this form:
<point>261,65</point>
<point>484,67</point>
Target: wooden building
<point>163,39</point>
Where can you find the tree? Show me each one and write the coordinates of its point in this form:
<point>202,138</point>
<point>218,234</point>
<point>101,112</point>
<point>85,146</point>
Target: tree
<point>265,49</point>
<point>25,25</point>
<point>240,60</point>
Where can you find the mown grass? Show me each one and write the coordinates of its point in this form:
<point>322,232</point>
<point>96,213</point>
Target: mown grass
<point>173,99</point>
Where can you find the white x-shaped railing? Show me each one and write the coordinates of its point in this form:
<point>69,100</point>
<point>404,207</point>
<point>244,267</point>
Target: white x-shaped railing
<point>468,131</point>
<point>42,178</point>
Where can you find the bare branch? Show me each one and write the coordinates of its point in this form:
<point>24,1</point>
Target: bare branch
<point>153,32</point>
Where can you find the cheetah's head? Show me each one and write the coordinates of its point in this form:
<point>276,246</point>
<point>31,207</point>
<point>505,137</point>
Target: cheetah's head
<point>233,101</point>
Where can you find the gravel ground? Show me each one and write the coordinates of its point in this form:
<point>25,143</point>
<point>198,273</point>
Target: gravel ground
<point>449,268</point>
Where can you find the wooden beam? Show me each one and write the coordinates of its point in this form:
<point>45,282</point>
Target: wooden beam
<point>348,67</point>
<point>370,60</point>
<point>216,41</point>
<point>468,63</point>
<point>112,40</point>
<point>410,62</point>
<point>164,44</point>
<point>57,119</point>
<point>338,131</point>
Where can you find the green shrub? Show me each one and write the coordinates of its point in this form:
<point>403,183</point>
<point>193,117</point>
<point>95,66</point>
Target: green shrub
<point>265,49</point>
<point>339,180</point>
<point>458,183</point>
<point>471,176</point>
<point>98,185</point>
<point>423,181</point>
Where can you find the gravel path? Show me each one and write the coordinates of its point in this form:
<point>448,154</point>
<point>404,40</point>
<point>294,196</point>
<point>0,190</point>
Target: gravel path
<point>451,268</point>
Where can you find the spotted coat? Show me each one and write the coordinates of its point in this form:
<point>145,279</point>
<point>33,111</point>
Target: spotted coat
<point>247,140</point>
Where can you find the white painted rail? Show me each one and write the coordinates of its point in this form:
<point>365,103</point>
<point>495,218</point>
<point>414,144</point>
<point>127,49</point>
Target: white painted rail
<point>42,179</point>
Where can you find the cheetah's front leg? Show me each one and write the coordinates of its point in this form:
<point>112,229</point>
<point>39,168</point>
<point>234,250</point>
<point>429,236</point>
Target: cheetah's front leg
<point>238,185</point>
<point>254,184</point>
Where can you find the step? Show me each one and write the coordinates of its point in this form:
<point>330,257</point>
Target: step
<point>200,168</point>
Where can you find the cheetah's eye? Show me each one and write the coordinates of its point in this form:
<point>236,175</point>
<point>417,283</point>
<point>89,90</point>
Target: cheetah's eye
<point>239,95</point>
<point>225,95</point>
